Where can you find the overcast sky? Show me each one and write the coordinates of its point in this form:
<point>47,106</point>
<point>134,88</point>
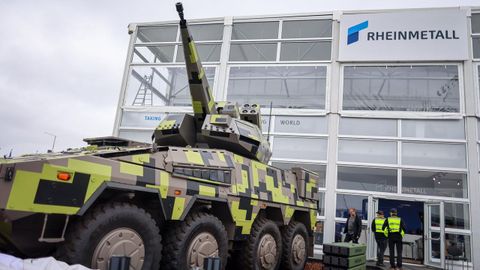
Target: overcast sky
<point>61,62</point>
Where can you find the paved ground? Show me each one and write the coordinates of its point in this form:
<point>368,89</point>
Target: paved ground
<point>371,265</point>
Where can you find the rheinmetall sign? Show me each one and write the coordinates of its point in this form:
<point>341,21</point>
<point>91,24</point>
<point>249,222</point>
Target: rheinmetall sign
<point>404,36</point>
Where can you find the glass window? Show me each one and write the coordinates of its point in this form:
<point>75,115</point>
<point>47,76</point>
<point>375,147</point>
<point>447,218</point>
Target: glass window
<point>456,216</point>
<point>305,51</point>
<point>167,33</point>
<point>153,54</point>
<point>476,23</point>
<point>346,201</point>
<point>307,29</point>
<point>141,119</point>
<point>434,155</point>
<point>433,129</point>
<point>206,52</point>
<point>255,30</point>
<point>434,183</point>
<point>299,148</point>
<point>367,179</point>
<point>301,124</point>
<point>401,88</point>
<point>253,52</point>
<point>206,31</point>
<point>137,135</point>
<point>286,87</point>
<point>368,127</point>
<point>159,86</point>
<point>367,151</point>
<point>321,204</point>
<point>476,46</point>
<point>458,244</point>
<point>320,169</point>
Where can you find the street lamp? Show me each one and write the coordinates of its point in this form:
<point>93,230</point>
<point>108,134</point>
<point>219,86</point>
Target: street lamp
<point>54,139</point>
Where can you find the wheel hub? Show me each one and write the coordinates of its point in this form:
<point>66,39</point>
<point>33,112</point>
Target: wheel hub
<point>267,252</point>
<point>122,242</point>
<point>204,245</point>
<point>298,249</point>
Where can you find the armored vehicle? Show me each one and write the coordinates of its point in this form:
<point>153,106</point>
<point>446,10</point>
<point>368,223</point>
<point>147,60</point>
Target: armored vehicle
<point>202,188</point>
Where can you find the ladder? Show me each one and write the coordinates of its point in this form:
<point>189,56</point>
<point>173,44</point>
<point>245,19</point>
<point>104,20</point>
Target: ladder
<point>144,94</point>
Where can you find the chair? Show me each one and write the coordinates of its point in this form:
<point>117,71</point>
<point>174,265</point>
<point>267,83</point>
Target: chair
<point>455,253</point>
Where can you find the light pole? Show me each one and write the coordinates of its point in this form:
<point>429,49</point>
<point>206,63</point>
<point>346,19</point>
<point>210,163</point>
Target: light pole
<point>54,139</point>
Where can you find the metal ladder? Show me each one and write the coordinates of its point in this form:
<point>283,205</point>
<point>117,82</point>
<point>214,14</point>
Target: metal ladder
<point>144,95</point>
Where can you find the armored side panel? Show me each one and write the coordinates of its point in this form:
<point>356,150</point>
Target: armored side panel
<point>307,182</point>
<point>251,113</point>
<point>244,138</point>
<point>228,108</point>
<point>176,130</point>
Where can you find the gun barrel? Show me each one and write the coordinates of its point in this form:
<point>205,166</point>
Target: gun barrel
<point>179,8</point>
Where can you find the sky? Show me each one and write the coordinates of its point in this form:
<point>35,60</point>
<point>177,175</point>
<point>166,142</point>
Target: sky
<point>62,61</point>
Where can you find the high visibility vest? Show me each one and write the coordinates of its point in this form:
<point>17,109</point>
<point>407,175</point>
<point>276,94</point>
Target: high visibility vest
<point>393,226</point>
<point>379,225</point>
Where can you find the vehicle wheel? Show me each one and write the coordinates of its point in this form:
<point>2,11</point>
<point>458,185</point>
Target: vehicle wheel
<point>263,248</point>
<point>295,243</point>
<point>115,229</point>
<point>199,236</point>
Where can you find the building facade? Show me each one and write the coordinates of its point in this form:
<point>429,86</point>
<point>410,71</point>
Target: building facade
<point>389,124</point>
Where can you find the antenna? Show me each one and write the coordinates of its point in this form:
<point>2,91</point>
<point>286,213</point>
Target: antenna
<point>269,121</point>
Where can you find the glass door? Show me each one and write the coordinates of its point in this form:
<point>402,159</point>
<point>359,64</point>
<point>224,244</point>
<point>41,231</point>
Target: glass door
<point>434,234</point>
<point>371,244</point>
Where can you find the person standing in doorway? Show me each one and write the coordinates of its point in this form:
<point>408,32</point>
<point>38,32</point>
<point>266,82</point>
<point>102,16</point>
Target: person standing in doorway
<point>380,238</point>
<point>394,229</point>
<point>353,227</point>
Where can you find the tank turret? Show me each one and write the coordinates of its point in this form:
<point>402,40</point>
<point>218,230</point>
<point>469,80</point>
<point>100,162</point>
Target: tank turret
<point>221,125</point>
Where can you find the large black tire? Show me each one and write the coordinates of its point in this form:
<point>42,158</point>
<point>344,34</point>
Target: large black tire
<point>184,248</point>
<point>295,244</point>
<point>110,229</point>
<point>261,230</point>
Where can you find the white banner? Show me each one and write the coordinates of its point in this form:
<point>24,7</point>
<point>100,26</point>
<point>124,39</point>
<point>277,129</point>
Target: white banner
<point>404,36</point>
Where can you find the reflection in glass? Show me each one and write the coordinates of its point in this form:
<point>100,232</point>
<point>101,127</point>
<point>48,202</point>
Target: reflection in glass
<point>435,242</point>
<point>345,201</point>
<point>366,151</point>
<point>433,129</point>
<point>206,31</point>
<point>456,216</point>
<point>320,169</point>
<point>367,179</point>
<point>402,88</point>
<point>434,215</point>
<point>434,183</point>
<point>307,29</point>
<point>160,86</point>
<point>255,30</point>
<point>137,135</point>
<point>285,87</point>
<point>253,52</point>
<point>300,148</point>
<point>434,155</point>
<point>368,127</point>
<point>305,51</point>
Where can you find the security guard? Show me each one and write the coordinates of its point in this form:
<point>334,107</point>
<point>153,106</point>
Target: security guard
<point>394,229</point>
<point>380,238</point>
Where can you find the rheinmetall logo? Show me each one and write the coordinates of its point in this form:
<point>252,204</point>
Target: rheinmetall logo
<point>354,30</point>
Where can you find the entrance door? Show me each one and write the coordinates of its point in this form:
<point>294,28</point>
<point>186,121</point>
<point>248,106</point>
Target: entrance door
<point>434,235</point>
<point>371,244</point>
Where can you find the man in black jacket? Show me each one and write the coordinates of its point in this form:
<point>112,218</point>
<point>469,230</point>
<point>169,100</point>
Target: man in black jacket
<point>353,227</point>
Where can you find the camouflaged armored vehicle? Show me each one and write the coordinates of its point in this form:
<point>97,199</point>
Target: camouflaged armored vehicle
<point>203,188</point>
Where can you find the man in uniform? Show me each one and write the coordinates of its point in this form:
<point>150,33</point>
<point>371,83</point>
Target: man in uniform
<point>353,227</point>
<point>394,229</point>
<point>380,238</point>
